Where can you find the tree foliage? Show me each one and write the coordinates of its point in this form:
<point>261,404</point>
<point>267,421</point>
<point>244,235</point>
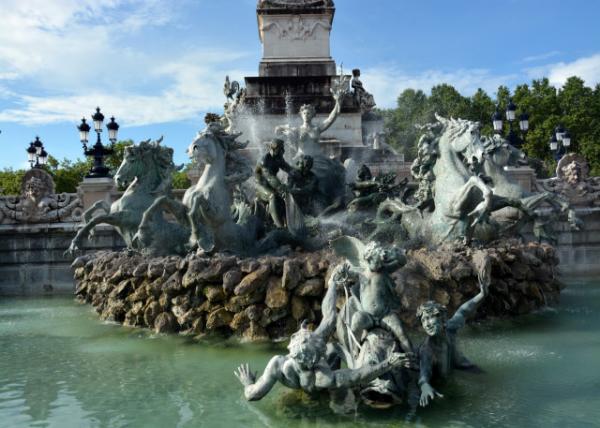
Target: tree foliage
<point>10,181</point>
<point>67,174</point>
<point>574,105</point>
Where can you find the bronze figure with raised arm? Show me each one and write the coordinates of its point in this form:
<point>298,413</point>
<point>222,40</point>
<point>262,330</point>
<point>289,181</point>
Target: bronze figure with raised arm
<point>439,353</point>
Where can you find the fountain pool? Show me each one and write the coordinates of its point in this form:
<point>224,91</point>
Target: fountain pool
<point>61,367</point>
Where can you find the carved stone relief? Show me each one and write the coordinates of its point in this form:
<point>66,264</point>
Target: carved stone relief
<point>296,28</point>
<point>38,202</point>
<point>573,181</point>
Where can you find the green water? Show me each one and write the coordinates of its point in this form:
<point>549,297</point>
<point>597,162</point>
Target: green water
<point>61,367</point>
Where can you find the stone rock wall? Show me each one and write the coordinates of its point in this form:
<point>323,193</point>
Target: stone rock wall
<point>267,298</point>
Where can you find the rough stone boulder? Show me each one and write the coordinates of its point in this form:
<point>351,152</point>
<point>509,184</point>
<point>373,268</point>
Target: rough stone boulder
<point>268,297</point>
<point>277,296</point>
<point>254,281</point>
<point>165,323</point>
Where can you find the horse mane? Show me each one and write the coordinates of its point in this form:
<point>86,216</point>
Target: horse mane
<point>491,144</point>
<point>454,128</point>
<point>237,167</point>
<point>428,150</point>
<point>162,158</point>
<point>228,141</point>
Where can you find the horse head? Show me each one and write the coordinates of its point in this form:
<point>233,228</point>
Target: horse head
<point>463,138</point>
<point>497,150</point>
<point>146,160</point>
<point>501,153</point>
<point>206,148</point>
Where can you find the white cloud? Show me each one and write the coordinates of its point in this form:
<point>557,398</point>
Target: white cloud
<point>387,82</point>
<point>73,45</point>
<point>541,57</point>
<point>61,58</point>
<point>587,68</point>
<point>194,90</point>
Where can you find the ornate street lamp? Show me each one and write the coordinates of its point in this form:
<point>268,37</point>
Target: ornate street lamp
<point>43,157</point>
<point>31,155</point>
<point>39,146</point>
<point>113,129</point>
<point>560,142</point>
<point>98,119</point>
<point>566,139</point>
<point>98,151</point>
<point>84,131</point>
<point>511,116</point>
<point>511,111</point>
<point>553,143</point>
<point>560,132</point>
<point>524,122</point>
<point>37,156</point>
<point>497,121</point>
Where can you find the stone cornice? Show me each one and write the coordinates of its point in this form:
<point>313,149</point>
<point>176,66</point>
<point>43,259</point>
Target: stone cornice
<point>273,7</point>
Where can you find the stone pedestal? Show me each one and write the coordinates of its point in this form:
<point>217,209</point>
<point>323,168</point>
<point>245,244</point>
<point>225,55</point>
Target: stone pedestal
<point>295,32</point>
<point>94,189</point>
<point>525,176</point>
<point>194,173</point>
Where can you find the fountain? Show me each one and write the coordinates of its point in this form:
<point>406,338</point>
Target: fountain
<point>265,260</point>
<point>302,229</point>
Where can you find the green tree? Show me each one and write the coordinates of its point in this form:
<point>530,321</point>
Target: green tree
<point>575,105</point>
<point>181,180</point>
<point>67,174</point>
<point>412,109</point>
<point>10,181</point>
<point>481,109</point>
<point>578,111</point>
<point>590,145</point>
<point>114,161</point>
<point>446,101</point>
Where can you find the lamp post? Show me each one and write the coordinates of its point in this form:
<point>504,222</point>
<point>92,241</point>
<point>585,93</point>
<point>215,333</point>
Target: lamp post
<point>36,154</point>
<point>560,142</point>
<point>98,151</point>
<point>511,116</point>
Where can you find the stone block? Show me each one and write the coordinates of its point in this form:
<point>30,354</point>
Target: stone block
<point>96,189</point>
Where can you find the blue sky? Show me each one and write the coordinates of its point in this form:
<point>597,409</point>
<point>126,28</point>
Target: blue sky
<point>159,65</point>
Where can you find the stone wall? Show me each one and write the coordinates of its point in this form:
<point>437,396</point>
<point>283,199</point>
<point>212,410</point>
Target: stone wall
<point>579,251</point>
<point>32,261</point>
<point>267,298</point>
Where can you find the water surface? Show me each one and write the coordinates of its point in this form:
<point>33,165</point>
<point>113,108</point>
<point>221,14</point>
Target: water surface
<point>61,367</point>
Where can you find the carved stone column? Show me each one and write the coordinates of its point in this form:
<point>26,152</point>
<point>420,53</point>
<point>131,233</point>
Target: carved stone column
<point>94,189</point>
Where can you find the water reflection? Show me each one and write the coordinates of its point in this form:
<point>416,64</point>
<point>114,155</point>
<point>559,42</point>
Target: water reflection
<point>61,367</point>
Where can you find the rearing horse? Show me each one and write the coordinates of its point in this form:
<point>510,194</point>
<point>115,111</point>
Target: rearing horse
<point>460,197</point>
<point>209,201</point>
<point>510,195</point>
<point>205,213</point>
<point>146,171</point>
